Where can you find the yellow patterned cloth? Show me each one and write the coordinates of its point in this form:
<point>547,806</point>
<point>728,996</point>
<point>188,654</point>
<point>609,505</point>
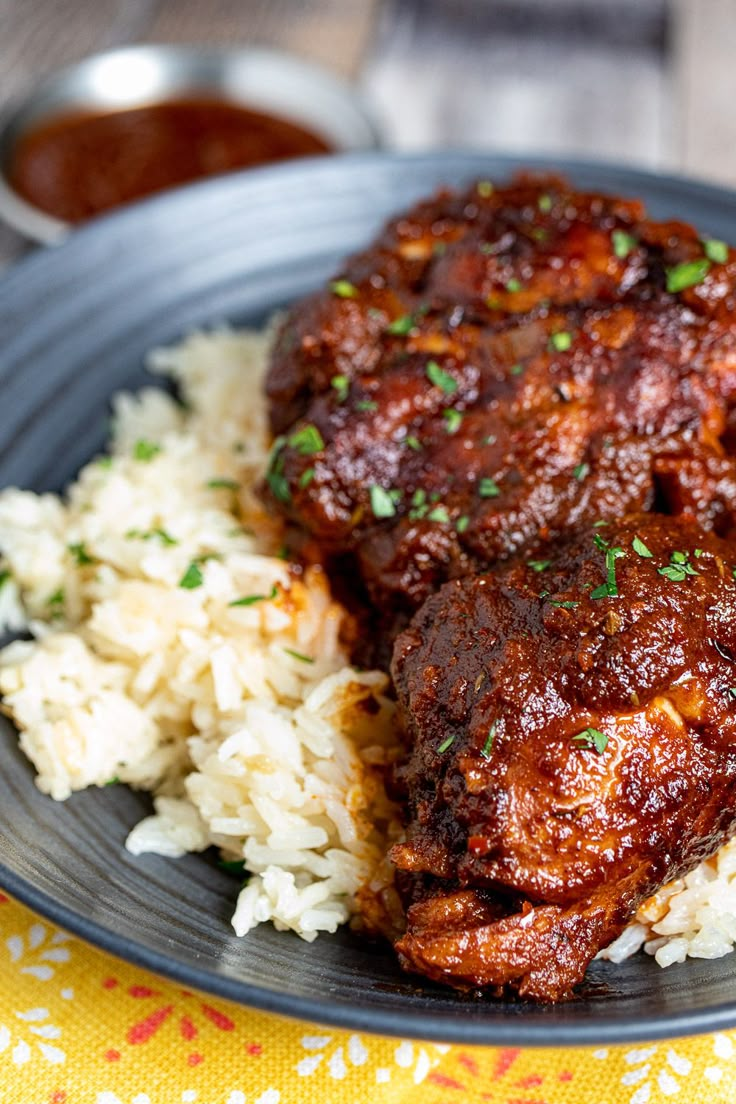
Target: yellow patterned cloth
<point>80,1027</point>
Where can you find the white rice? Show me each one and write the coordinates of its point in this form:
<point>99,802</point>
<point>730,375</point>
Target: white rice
<point>245,721</point>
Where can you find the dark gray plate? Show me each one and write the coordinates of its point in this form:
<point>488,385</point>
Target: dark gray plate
<point>75,323</point>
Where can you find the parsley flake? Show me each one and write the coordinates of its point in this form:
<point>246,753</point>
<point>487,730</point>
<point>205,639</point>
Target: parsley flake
<point>366,404</point>
<point>623,243</point>
<point>448,742</point>
<point>440,379</point>
<point>275,477</point>
<point>513,285</point>
<point>341,385</point>
<point>484,188</point>
<point>192,577</point>
<point>538,565</point>
<point>5,577</point>
<point>145,450</point>
<point>251,599</point>
<point>382,503</point>
<point>641,549</point>
<point>544,203</point>
<point>580,471</point>
<point>298,655</point>
<point>678,568</point>
<point>560,342</point>
<point>57,598</point>
<point>488,488</point>
<point>516,369</point>
<point>462,523</point>
<point>306,477</point>
<point>438,513</point>
<point>609,589</point>
<point>453,420</point>
<point>592,738</point>
<point>401,326</point>
<point>687,275</point>
<point>81,555</point>
<point>222,484</point>
<point>486,749</point>
<point>413,443</point>
<point>715,250</point>
<point>561,605</point>
<point>343,289</point>
<point>307,440</point>
<point>149,534</point>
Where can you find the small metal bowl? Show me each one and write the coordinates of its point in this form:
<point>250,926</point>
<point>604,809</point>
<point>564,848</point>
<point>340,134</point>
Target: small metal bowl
<point>266,80</point>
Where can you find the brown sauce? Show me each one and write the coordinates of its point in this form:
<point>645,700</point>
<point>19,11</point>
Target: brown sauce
<point>83,163</point>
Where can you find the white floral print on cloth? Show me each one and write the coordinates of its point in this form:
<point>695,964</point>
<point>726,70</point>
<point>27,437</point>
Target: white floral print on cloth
<point>79,1027</point>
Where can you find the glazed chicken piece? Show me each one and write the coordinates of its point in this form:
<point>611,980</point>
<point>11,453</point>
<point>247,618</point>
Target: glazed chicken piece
<point>500,366</point>
<point>571,735</point>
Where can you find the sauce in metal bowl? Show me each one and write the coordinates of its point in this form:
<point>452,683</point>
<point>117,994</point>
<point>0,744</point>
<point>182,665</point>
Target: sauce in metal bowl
<point>82,163</point>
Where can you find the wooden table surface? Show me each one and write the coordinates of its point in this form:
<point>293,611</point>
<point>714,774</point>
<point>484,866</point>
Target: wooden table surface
<point>643,81</point>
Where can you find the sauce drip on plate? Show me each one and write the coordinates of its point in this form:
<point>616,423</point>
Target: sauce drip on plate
<point>81,164</point>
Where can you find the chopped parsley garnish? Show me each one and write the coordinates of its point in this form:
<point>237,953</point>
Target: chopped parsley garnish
<point>592,738</point>
<point>145,450</point>
<point>149,534</point>
<point>623,243</point>
<point>439,248</point>
<point>600,542</point>
<point>489,440</point>
<point>698,553</point>
<point>609,589</point>
<point>538,565</point>
<point>488,488</point>
<point>275,477</point>
<point>306,477</point>
<point>298,655</point>
<point>462,523</point>
<point>251,599</point>
<point>438,513</point>
<point>486,749</point>
<point>341,385</point>
<point>57,598</point>
<point>343,289</point>
<point>715,250</point>
<point>484,188</point>
<point>440,379</point>
<point>382,502</point>
<point>580,471</point>
<point>307,440</point>
<point>413,443</point>
<point>81,555</point>
<point>544,203</point>
<point>5,577</point>
<point>448,742</point>
<point>401,326</point>
<point>560,342</point>
<point>223,484</point>
<point>687,275</point>
<point>366,404</point>
<point>192,577</point>
<point>453,420</point>
<point>516,369</point>
<point>539,233</point>
<point>641,549</point>
<point>678,568</point>
<point>232,866</point>
<point>105,462</point>
<point>561,605</point>
<point>514,285</point>
<point>114,781</point>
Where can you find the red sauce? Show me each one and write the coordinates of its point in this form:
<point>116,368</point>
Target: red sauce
<point>83,163</point>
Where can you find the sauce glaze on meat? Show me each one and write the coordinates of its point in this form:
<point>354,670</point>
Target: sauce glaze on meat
<point>569,752</point>
<point>502,365</point>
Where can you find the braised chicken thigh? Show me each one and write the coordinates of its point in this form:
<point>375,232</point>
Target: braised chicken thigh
<point>571,734</point>
<point>502,365</point>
